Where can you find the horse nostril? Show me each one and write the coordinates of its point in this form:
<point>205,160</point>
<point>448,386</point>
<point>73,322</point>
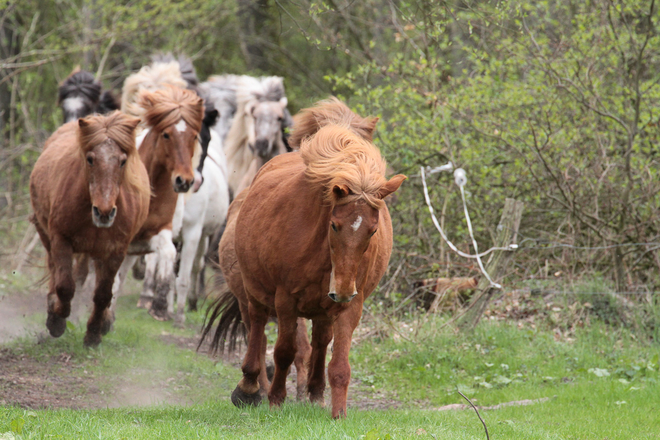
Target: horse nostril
<point>178,181</point>
<point>96,211</point>
<point>113,212</point>
<point>333,296</point>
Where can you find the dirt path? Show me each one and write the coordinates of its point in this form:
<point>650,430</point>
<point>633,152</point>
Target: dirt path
<point>62,381</point>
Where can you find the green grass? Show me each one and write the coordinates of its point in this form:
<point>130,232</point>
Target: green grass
<point>602,384</point>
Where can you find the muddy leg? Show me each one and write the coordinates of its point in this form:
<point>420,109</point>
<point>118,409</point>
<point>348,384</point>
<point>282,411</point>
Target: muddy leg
<point>339,370</point>
<point>247,391</point>
<point>321,337</point>
<point>102,317</point>
<point>303,352</point>
<point>162,306</point>
<point>62,285</point>
<point>149,285</point>
<point>285,347</point>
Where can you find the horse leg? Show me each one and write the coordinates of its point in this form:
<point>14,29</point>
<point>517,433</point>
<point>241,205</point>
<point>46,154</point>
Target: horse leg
<point>302,359</point>
<point>62,286</point>
<point>285,347</point>
<point>321,337</point>
<point>247,391</point>
<point>191,238</point>
<point>102,317</point>
<point>149,285</point>
<point>339,370</point>
<point>264,383</point>
<point>197,290</point>
<point>162,306</point>
<point>120,279</point>
<point>81,270</point>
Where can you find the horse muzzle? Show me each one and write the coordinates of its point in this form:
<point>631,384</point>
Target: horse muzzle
<point>182,185</point>
<point>103,218</point>
<point>341,299</point>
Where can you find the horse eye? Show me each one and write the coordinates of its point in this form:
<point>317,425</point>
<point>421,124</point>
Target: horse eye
<point>90,161</point>
<point>373,233</point>
<point>122,163</point>
<point>334,227</point>
<point>166,136</point>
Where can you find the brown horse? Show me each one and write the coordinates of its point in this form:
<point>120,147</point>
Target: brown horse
<point>231,307</point>
<point>319,258</point>
<point>90,195</point>
<point>173,117</point>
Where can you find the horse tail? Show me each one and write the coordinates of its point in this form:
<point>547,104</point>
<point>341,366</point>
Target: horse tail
<point>78,95</point>
<point>329,112</point>
<point>226,310</point>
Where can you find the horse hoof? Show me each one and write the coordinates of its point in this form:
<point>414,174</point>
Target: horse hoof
<point>160,315</point>
<point>91,340</point>
<point>241,399</point>
<point>144,302</point>
<point>56,325</point>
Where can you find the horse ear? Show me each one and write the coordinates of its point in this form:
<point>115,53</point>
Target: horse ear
<point>132,123</point>
<point>83,123</point>
<point>146,99</point>
<point>340,191</point>
<point>391,186</point>
<point>372,123</point>
<point>284,101</point>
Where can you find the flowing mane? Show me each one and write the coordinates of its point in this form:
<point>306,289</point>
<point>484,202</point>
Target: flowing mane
<point>120,128</point>
<point>151,78</point>
<point>167,106</point>
<point>329,111</point>
<point>336,156</point>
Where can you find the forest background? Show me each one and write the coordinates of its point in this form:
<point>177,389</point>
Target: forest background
<point>552,103</point>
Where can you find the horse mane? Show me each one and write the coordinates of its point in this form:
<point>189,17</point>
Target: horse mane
<point>220,91</point>
<point>186,66</point>
<point>151,78</point>
<point>337,156</point>
<point>168,106</point>
<point>96,129</point>
<point>329,111</point>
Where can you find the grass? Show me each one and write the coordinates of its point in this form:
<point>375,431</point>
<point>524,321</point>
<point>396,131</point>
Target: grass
<point>602,384</point>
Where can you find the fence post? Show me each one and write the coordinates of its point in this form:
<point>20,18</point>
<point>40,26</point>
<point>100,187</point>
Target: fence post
<point>507,230</point>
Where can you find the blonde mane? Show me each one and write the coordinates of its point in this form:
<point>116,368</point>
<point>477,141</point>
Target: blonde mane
<point>168,106</point>
<point>119,128</point>
<point>337,156</point>
<point>329,111</point>
<point>151,78</point>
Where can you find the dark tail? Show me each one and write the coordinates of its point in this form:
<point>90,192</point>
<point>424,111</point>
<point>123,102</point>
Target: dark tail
<point>226,310</point>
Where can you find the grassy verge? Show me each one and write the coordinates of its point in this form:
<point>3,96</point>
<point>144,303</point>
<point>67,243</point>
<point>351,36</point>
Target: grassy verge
<point>602,383</point>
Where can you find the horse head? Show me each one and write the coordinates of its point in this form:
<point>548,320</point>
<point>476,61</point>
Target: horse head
<point>265,126</point>
<point>175,116</point>
<point>107,144</point>
<point>353,222</point>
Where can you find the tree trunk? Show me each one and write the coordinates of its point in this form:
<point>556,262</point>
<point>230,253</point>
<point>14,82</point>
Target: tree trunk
<point>507,230</point>
<point>254,29</point>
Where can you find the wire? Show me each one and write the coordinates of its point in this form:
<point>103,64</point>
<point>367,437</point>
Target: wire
<point>460,180</point>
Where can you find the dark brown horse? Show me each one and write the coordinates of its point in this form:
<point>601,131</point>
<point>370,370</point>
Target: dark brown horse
<point>90,195</point>
<point>319,258</point>
<point>173,117</point>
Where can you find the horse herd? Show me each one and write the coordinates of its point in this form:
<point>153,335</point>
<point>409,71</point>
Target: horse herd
<point>307,235</point>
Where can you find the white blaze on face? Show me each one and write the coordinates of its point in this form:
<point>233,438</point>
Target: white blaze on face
<point>181,126</point>
<point>332,280</point>
<point>73,104</point>
<point>357,223</point>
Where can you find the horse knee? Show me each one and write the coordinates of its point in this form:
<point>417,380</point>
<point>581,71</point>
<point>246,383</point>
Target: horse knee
<point>339,375</point>
<point>65,287</point>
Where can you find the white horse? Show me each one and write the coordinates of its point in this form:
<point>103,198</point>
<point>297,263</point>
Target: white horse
<point>256,134</point>
<point>204,212</point>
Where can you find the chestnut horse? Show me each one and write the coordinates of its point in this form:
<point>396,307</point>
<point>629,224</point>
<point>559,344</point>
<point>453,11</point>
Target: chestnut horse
<point>319,258</point>
<point>230,309</point>
<point>90,195</point>
<point>173,117</point>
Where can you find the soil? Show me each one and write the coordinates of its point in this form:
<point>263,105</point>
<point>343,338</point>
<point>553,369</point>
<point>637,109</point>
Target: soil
<point>59,382</point>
